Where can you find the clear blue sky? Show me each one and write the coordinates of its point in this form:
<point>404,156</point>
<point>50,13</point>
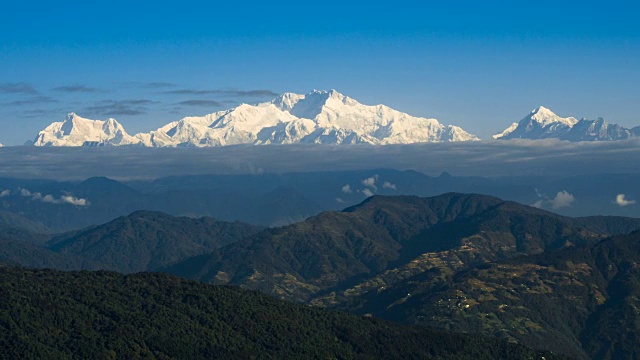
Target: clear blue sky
<point>477,64</point>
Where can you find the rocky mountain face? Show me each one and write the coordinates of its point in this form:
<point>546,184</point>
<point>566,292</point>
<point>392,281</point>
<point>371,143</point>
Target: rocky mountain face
<point>320,117</point>
<point>542,123</point>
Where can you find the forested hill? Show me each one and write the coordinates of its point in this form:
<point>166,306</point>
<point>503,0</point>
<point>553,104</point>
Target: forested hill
<point>50,314</point>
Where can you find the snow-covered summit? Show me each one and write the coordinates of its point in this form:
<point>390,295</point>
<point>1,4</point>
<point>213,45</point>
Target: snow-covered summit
<point>78,131</point>
<point>322,117</point>
<point>545,117</point>
<point>543,123</point>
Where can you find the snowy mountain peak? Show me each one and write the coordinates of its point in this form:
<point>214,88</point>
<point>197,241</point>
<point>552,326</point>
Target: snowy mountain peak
<point>544,116</point>
<point>287,101</point>
<point>542,112</point>
<point>78,131</point>
<point>543,123</point>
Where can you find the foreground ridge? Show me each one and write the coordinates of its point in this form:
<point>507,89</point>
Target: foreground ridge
<point>103,314</point>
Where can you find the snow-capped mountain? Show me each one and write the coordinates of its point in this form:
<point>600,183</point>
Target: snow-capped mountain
<point>78,131</point>
<point>543,123</point>
<point>321,117</point>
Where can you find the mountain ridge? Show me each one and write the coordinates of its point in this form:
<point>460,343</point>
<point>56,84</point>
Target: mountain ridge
<point>543,123</point>
<point>321,117</point>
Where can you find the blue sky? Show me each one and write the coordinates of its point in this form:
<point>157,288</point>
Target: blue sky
<point>480,65</point>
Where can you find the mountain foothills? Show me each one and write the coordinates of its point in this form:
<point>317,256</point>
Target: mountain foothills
<point>543,123</point>
<point>320,117</point>
<point>50,314</point>
<point>401,258</point>
<point>456,262</point>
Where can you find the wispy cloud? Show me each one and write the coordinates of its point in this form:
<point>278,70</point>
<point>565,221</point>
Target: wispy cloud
<point>75,89</point>
<point>17,88</point>
<point>227,93</point>
<point>120,107</point>
<point>622,201</point>
<point>347,189</point>
<point>201,103</point>
<point>34,100</point>
<point>158,85</point>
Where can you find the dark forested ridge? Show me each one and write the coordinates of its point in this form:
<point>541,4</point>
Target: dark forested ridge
<point>338,250</point>
<point>141,241</point>
<point>146,240</point>
<point>51,314</point>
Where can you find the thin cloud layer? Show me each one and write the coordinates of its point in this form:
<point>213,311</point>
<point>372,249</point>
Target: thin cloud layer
<point>75,89</point>
<point>34,100</point>
<point>120,107</point>
<point>227,93</point>
<point>488,158</point>
<point>17,88</point>
<point>201,103</point>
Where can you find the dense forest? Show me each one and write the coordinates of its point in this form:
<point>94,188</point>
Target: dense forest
<point>104,315</point>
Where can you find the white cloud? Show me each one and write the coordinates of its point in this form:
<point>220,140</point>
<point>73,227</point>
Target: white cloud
<point>388,185</point>
<point>562,199</point>
<point>370,182</point>
<point>367,192</point>
<point>347,189</point>
<point>340,201</point>
<point>622,200</point>
<point>538,204</point>
<point>4,193</point>
<point>50,199</point>
<point>74,200</point>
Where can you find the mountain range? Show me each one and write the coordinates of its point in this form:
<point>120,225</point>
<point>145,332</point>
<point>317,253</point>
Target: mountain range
<point>320,117</point>
<point>543,123</point>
